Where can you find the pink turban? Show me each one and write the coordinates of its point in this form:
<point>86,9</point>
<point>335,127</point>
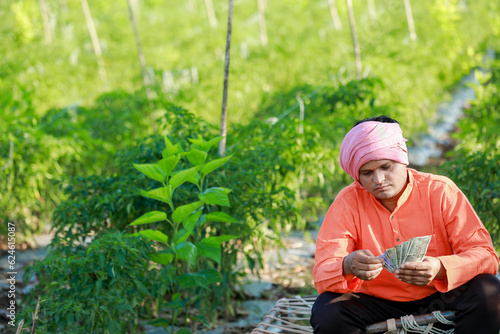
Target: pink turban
<point>369,141</point>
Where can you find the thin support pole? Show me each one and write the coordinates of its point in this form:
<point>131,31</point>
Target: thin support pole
<point>223,123</point>
<point>95,40</point>
<point>409,19</point>
<point>335,15</point>
<point>355,42</point>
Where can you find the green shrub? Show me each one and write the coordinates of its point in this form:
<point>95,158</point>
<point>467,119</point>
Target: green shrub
<point>188,237</point>
<point>30,161</point>
<point>475,162</point>
<point>267,181</point>
<point>37,152</point>
<point>100,289</point>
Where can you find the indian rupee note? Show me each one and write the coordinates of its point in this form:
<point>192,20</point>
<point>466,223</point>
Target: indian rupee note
<point>391,253</point>
<point>398,255</point>
<point>387,262</point>
<point>418,248</point>
<point>404,251</point>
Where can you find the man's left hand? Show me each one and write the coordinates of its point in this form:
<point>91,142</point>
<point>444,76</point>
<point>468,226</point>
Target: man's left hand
<point>421,273</point>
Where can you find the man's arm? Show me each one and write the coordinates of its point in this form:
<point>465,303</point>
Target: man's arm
<point>362,264</point>
<point>421,273</point>
<point>473,251</point>
<point>336,240</point>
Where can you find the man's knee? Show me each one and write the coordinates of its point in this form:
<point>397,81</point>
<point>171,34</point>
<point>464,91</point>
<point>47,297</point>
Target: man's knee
<point>486,288</point>
<point>478,309</point>
<point>329,316</point>
<point>324,312</point>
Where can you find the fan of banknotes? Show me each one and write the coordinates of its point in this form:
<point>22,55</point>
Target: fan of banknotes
<point>412,250</point>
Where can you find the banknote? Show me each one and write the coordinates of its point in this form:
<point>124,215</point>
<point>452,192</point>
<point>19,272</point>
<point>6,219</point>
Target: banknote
<point>387,263</point>
<point>391,254</point>
<point>412,250</point>
<point>418,249</point>
<point>398,255</point>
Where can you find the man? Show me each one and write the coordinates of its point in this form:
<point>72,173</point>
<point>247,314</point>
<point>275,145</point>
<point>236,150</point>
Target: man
<point>386,205</point>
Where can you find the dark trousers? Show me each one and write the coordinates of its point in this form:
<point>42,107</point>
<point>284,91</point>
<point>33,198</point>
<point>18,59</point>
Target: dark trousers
<point>476,305</point>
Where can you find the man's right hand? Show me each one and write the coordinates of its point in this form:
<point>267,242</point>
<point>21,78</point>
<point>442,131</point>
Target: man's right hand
<point>362,264</point>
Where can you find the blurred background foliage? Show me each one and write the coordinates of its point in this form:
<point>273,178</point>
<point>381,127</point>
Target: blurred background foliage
<point>74,120</point>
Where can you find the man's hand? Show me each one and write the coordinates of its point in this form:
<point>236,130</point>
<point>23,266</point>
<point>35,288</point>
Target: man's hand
<point>362,264</point>
<point>421,273</point>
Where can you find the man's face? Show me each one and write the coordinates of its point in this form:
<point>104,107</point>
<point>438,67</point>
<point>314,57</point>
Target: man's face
<point>384,179</point>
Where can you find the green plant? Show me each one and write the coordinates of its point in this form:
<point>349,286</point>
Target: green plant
<point>100,289</point>
<point>475,162</point>
<point>189,252</point>
<point>96,203</point>
<point>39,153</point>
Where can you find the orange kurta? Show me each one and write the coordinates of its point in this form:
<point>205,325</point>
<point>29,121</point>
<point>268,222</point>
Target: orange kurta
<point>430,205</point>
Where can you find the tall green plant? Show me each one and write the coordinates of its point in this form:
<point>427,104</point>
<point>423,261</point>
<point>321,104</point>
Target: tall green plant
<point>189,253</point>
<point>99,289</point>
<point>475,161</point>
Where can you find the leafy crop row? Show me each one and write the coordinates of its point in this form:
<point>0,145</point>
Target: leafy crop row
<point>475,162</point>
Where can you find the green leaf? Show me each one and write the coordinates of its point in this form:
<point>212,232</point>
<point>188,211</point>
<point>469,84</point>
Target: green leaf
<point>161,194</point>
<point>170,149</point>
<point>190,222</point>
<point>167,165</point>
<point>188,280</point>
<point>152,171</point>
<point>181,177</point>
<point>181,236</point>
<point>183,331</point>
<point>216,196</point>
<point>205,145</point>
<point>211,247</point>
<point>194,179</point>
<point>198,143</point>
<point>160,322</point>
<point>176,302</point>
<point>150,217</point>
<point>199,318</point>
<point>214,164</point>
<point>212,142</point>
<point>162,258</point>
<point>219,216</point>
<point>196,157</point>
<point>182,212</point>
<point>203,278</point>
<point>141,287</point>
<point>212,252</point>
<point>186,251</point>
<point>210,276</point>
<point>154,235</point>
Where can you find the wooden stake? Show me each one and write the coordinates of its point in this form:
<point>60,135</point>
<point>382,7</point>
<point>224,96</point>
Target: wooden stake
<point>142,59</point>
<point>20,327</point>
<point>35,317</point>
<point>211,13</point>
<point>223,122</point>
<point>44,9</point>
<point>372,10</point>
<point>335,15</point>
<point>262,21</point>
<point>301,115</point>
<point>409,19</point>
<point>95,40</point>
<point>357,50</point>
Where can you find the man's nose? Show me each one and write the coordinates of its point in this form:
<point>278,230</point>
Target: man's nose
<point>378,177</point>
